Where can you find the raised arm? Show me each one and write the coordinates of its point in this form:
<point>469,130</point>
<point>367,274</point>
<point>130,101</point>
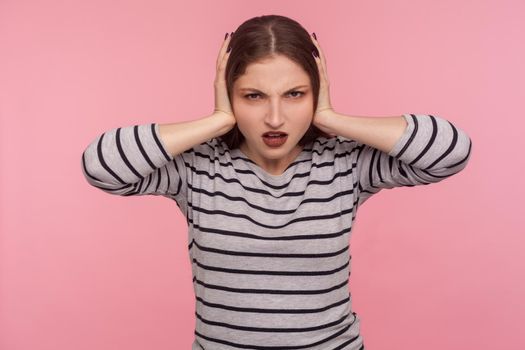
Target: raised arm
<point>152,158</point>
<point>408,150</point>
<point>148,158</point>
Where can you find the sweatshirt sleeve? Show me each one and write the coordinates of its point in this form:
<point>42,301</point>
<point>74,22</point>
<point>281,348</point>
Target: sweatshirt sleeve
<point>133,161</point>
<point>429,150</point>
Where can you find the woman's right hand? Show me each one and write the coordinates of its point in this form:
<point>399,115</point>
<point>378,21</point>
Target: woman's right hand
<point>222,102</point>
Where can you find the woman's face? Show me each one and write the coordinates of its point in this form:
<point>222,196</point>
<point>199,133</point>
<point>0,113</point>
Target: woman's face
<point>273,95</point>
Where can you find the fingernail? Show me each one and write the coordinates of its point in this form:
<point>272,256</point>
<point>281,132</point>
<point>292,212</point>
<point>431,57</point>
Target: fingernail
<point>314,53</point>
<point>314,35</point>
<point>225,36</point>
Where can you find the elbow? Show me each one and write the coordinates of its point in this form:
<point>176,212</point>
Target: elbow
<point>455,162</point>
<point>461,157</point>
<point>90,176</point>
<point>463,152</point>
<point>91,173</point>
<point>466,154</point>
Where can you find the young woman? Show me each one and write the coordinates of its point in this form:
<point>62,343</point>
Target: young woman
<point>270,185</point>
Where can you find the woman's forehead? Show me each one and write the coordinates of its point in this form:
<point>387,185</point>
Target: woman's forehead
<point>275,74</point>
<point>274,63</point>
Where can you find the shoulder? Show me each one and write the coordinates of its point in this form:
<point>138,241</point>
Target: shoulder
<point>209,150</point>
<point>335,144</point>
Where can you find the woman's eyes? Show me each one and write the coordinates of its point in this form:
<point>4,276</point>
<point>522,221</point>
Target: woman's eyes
<point>291,92</point>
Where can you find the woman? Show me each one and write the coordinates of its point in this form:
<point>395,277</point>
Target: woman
<point>270,185</point>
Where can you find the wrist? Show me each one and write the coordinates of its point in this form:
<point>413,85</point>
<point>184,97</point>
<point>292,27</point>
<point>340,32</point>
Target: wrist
<point>224,121</point>
<point>326,121</point>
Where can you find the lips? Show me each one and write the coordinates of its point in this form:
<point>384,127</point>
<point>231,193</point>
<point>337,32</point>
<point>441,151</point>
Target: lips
<point>274,138</point>
<point>274,133</point>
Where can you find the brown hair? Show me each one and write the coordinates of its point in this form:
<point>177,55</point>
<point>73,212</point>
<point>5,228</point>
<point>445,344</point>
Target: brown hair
<point>262,37</point>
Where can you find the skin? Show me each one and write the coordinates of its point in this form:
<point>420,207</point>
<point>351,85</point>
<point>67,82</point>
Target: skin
<point>278,109</point>
<point>265,101</point>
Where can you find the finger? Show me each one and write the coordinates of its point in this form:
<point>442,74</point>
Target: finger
<point>225,53</point>
<point>321,53</point>
<point>222,51</point>
<point>321,58</point>
<point>318,57</point>
<point>219,55</point>
<point>320,67</point>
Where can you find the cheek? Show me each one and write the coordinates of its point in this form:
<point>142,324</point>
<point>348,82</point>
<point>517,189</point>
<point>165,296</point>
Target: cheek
<point>305,113</point>
<point>245,121</point>
<point>246,115</point>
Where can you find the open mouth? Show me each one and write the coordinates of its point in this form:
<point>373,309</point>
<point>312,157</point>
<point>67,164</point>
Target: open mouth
<point>272,134</point>
<point>274,138</point>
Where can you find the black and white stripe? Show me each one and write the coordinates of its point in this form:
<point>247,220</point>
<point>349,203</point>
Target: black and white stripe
<point>270,254</point>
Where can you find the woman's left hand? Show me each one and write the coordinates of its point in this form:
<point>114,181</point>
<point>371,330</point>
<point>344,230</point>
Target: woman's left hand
<point>324,107</point>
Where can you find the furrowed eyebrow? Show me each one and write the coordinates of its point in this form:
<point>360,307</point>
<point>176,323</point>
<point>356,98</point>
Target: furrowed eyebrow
<point>294,88</point>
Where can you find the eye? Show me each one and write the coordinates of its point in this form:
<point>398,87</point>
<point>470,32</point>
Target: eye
<point>299,92</point>
<point>248,96</point>
<point>291,92</point>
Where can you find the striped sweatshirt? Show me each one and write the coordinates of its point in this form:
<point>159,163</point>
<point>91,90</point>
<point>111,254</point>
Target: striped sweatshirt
<point>270,253</point>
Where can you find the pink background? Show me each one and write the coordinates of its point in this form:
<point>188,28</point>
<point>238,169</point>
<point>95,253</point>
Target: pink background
<point>434,267</point>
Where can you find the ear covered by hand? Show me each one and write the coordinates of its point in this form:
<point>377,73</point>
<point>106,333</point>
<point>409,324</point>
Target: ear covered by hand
<point>324,106</point>
<point>222,101</point>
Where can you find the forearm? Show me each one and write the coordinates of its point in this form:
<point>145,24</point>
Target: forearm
<point>181,136</point>
<point>379,132</point>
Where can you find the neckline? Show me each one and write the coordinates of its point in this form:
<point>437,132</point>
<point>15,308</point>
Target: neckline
<point>260,171</point>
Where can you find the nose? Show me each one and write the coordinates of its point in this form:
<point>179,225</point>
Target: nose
<point>274,118</point>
